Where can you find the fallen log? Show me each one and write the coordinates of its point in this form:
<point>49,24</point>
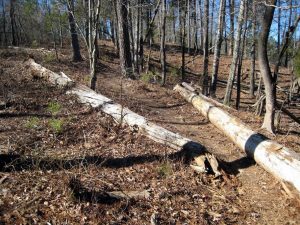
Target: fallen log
<point>190,88</point>
<point>144,194</point>
<point>280,161</point>
<point>121,114</point>
<point>38,71</point>
<point>124,115</point>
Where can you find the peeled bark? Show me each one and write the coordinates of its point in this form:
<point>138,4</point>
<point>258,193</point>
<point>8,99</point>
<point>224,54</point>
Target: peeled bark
<point>41,72</point>
<point>280,161</point>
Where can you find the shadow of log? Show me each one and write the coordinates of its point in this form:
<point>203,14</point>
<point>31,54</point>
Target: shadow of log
<point>15,162</point>
<point>234,167</point>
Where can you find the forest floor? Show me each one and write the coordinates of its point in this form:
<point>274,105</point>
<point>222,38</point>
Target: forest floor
<point>58,158</point>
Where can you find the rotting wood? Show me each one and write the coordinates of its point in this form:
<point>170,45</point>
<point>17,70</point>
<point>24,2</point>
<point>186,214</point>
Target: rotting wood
<point>38,70</point>
<point>280,161</point>
<point>121,114</point>
<point>144,194</point>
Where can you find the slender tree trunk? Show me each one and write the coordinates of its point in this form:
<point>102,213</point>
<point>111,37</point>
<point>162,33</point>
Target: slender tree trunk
<point>4,23</point>
<point>131,32</point>
<point>115,22</point>
<point>225,39</point>
<point>188,27</point>
<point>124,40</point>
<point>61,43</point>
<point>253,52</point>
<point>12,23</point>
<point>94,19</point>
<point>212,27</point>
<point>86,23</point>
<point>241,56</point>
<point>141,42</point>
<point>182,36</point>
<point>74,36</point>
<point>278,27</point>
<point>236,53</point>
<point>205,86</point>
<point>112,31</point>
<point>195,28</point>
<point>162,43</point>
<point>265,70</point>
<point>290,23</point>
<point>231,8</point>
<point>201,24</point>
<point>174,23</point>
<point>217,50</point>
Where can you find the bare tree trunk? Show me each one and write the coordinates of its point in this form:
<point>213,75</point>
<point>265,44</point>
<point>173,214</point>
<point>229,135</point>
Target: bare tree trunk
<point>4,23</point>
<point>141,43</point>
<point>131,32</point>
<point>13,23</point>
<point>201,25</point>
<point>182,21</point>
<point>174,23</point>
<point>212,27</point>
<point>265,70</point>
<point>217,51</point>
<point>74,37</point>
<point>231,8</point>
<point>61,43</point>
<point>290,23</point>
<point>162,43</point>
<point>188,27</point>
<point>136,16</point>
<point>225,38</point>
<point>253,52</point>
<point>241,56</point>
<point>205,86</point>
<point>236,52</point>
<point>195,28</point>
<point>94,19</point>
<point>115,22</point>
<point>278,27</point>
<point>124,41</point>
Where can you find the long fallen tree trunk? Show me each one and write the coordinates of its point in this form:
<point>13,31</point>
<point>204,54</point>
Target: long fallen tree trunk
<point>118,112</point>
<point>280,161</point>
